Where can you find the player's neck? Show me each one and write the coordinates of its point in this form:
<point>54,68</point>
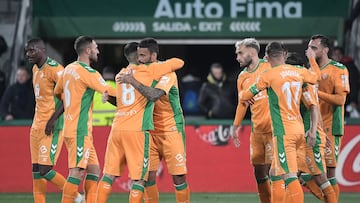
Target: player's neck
<point>85,60</point>
<point>323,61</point>
<point>254,64</point>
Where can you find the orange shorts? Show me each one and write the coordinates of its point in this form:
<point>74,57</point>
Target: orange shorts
<point>261,148</point>
<point>169,146</point>
<point>315,159</point>
<point>286,151</point>
<point>332,153</point>
<point>81,151</point>
<point>45,150</point>
<point>127,147</point>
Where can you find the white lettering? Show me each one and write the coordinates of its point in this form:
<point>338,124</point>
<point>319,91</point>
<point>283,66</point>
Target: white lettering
<point>163,9</point>
<point>171,27</point>
<point>289,73</point>
<point>216,7</point>
<point>210,26</point>
<point>197,9</point>
<point>72,73</point>
<point>265,9</point>
<point>293,10</point>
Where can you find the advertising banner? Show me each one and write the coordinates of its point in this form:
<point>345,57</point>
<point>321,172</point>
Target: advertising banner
<point>214,164</point>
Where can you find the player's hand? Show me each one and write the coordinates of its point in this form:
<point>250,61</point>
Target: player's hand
<point>50,126</point>
<point>310,53</point>
<point>328,142</point>
<point>311,138</point>
<point>105,97</point>
<point>251,101</point>
<point>235,136</point>
<point>9,117</point>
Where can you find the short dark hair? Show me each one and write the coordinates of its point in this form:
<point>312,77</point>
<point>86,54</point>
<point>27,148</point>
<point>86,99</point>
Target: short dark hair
<point>216,65</point>
<point>324,40</point>
<point>151,44</point>
<point>81,43</point>
<point>36,40</point>
<point>293,58</point>
<point>130,48</point>
<point>275,49</point>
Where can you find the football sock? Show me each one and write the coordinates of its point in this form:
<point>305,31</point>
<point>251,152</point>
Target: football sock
<point>90,187</point>
<point>329,194</point>
<point>39,188</point>
<point>136,194</point>
<point>264,190</point>
<point>70,190</point>
<point>277,189</point>
<point>296,194</point>
<point>182,193</point>
<point>151,192</point>
<point>312,186</point>
<point>335,187</point>
<point>103,189</point>
<point>56,178</point>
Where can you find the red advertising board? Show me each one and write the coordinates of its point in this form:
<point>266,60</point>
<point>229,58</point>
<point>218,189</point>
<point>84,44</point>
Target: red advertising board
<point>214,165</point>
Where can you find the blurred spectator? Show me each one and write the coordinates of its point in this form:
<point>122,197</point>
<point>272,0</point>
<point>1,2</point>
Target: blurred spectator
<point>189,88</point>
<point>103,113</point>
<point>218,96</point>
<point>354,13</point>
<point>18,101</point>
<point>351,105</point>
<point>3,49</point>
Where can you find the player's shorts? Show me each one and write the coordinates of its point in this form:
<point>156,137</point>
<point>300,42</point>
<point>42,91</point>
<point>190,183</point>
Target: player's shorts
<point>169,146</point>
<point>81,151</point>
<point>315,159</point>
<point>261,148</point>
<point>286,149</point>
<point>332,153</point>
<point>127,148</point>
<point>45,150</point>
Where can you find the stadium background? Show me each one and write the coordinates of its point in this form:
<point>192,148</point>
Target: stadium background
<point>199,31</point>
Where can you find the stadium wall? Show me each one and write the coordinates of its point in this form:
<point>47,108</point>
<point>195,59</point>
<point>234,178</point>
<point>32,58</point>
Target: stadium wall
<point>214,165</point>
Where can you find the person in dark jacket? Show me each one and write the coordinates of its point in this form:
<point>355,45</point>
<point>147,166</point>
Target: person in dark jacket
<point>217,96</point>
<point>18,101</point>
<point>352,103</point>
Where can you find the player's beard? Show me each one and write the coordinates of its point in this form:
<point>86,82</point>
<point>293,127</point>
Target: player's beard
<point>246,63</point>
<point>93,58</point>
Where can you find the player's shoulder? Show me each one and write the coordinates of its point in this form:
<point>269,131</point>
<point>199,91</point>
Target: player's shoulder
<point>86,67</point>
<point>337,65</point>
<point>52,63</point>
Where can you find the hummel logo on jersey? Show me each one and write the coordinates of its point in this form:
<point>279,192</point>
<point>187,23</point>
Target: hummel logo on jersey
<point>79,151</point>
<point>317,157</point>
<point>146,162</point>
<point>336,150</point>
<point>282,157</point>
<point>53,148</point>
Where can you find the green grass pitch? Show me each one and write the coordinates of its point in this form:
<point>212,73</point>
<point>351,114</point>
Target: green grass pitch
<point>169,198</point>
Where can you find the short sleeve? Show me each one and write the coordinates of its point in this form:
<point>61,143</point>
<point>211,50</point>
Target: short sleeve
<point>342,81</point>
<point>166,82</point>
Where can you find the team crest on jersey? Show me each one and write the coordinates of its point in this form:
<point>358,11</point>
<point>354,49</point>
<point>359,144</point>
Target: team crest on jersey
<point>164,80</point>
<point>51,62</point>
<point>324,76</point>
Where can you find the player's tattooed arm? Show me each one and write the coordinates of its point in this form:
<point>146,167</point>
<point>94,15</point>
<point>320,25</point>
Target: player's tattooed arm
<point>150,93</point>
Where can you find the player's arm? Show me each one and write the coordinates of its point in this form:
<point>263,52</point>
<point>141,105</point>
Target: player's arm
<point>58,90</point>
<point>342,88</point>
<point>161,68</point>
<point>314,118</point>
<point>50,125</point>
<point>309,98</point>
<point>310,54</point>
<point>337,99</point>
<point>262,83</point>
<point>152,94</point>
